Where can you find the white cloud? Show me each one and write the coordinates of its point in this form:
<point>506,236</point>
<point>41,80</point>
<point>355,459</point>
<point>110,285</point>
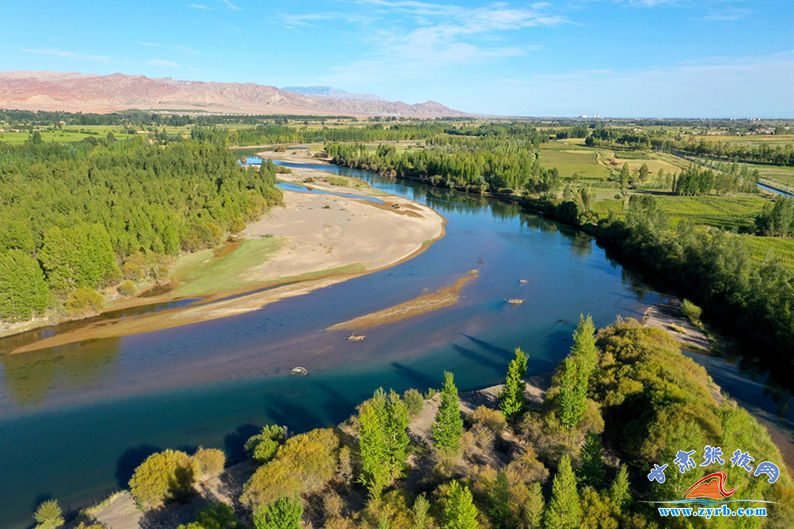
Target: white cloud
<point>416,38</point>
<point>67,54</point>
<point>185,49</point>
<point>163,63</point>
<point>200,6</point>
<point>230,5</point>
<point>148,44</point>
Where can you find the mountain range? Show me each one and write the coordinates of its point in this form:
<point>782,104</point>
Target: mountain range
<point>77,92</point>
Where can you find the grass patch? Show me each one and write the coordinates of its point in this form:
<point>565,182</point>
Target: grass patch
<point>203,273</point>
<point>92,511</point>
<point>353,268</point>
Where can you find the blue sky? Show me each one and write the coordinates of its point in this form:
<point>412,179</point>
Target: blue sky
<point>632,58</point>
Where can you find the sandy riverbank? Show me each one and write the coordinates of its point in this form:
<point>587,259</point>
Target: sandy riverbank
<point>326,239</point>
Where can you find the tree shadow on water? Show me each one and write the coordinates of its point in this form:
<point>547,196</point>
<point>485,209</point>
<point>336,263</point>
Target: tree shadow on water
<point>234,443</point>
<point>130,460</point>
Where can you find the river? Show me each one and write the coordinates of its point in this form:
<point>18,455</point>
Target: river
<point>76,420</point>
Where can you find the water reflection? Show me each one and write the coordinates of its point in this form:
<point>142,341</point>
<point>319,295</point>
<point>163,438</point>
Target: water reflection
<point>30,376</point>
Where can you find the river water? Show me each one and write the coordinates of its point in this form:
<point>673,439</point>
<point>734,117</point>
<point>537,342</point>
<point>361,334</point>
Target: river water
<point>76,420</point>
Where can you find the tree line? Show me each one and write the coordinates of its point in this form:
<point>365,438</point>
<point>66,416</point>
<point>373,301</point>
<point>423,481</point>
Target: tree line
<point>487,163</point>
<point>645,140</point>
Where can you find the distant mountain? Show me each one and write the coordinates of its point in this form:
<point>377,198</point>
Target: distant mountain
<point>333,93</point>
<point>76,92</point>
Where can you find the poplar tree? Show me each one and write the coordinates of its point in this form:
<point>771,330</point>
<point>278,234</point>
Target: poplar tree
<point>563,510</point>
<point>448,426</point>
<point>383,441</point>
<point>396,436</point>
<point>625,175</point>
<point>644,172</point>
<point>572,397</point>
<point>619,491</point>
<point>577,368</point>
<point>459,509</point>
<point>512,399</point>
<point>373,444</point>
<point>592,471</point>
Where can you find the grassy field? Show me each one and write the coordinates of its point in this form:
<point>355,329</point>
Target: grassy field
<point>772,140</point>
<point>780,248</point>
<point>723,212</point>
<point>69,133</point>
<point>206,272</point>
<point>571,157</point>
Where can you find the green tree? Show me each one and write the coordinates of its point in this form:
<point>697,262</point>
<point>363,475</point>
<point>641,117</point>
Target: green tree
<point>572,397</point>
<point>397,440</point>
<point>532,512</point>
<point>643,172</point>
<point>512,399</point>
<point>23,291</point>
<point>625,176</point>
<point>420,513</point>
<point>373,444</point>
<point>459,509</point>
<point>264,445</point>
<point>499,503</point>
<point>591,471</point>
<point>577,369</point>
<point>48,515</point>
<point>563,510</point>
<point>216,516</point>
<point>285,513</point>
<point>78,256</point>
<point>448,426</point>
<point>619,491</point>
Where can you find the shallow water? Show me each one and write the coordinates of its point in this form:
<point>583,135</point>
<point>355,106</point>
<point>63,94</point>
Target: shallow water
<point>288,186</point>
<point>75,420</point>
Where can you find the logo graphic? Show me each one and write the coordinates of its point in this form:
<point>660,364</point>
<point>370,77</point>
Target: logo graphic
<point>712,490</point>
<point>711,487</point>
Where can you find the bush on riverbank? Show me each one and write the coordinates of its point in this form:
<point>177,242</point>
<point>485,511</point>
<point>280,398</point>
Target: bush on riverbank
<point>164,476</point>
<point>84,302</point>
<point>49,515</point>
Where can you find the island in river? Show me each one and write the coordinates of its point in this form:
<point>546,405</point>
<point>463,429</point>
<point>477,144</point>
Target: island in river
<point>329,229</point>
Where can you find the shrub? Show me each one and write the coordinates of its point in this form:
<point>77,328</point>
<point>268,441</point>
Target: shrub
<point>215,516</point>
<point>414,401</point>
<point>304,464</point>
<point>237,225</point>
<point>210,461</point>
<point>264,445</point>
<point>127,288</point>
<point>490,419</point>
<point>285,513</point>
<point>134,267</point>
<point>691,311</point>
<point>164,476</point>
<point>84,302</point>
<point>49,515</point>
